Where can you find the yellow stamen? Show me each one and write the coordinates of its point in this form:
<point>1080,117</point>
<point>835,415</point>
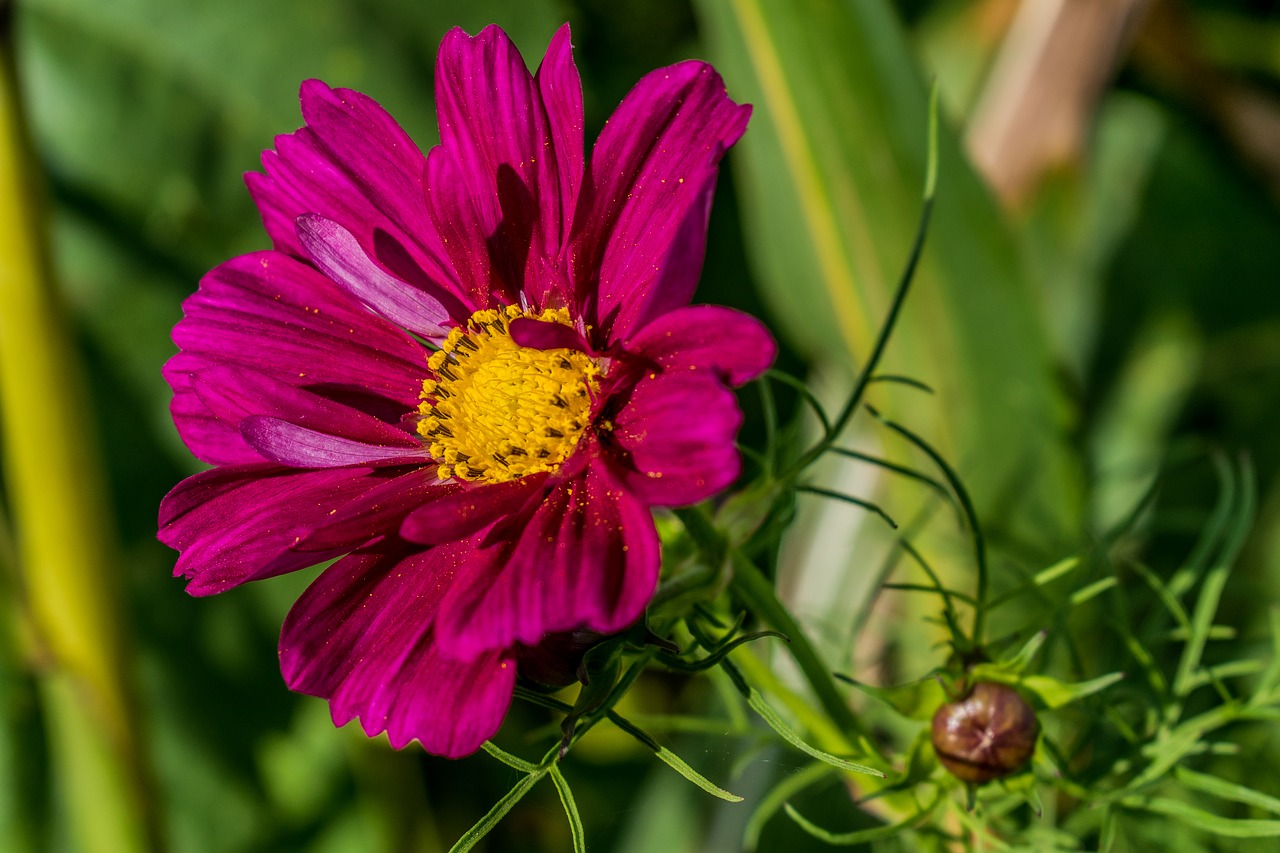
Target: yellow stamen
<point>497,411</point>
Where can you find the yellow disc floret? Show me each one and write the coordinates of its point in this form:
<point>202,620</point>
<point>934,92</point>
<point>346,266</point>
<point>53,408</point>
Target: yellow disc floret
<point>497,411</point>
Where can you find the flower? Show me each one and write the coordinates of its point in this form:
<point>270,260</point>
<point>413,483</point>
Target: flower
<point>491,486</point>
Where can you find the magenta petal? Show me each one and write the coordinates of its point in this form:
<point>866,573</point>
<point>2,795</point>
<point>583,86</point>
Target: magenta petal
<point>641,214</point>
<point>501,156</point>
<point>456,512</point>
<point>540,334</point>
<point>736,346</point>
<point>284,319</point>
<point>210,438</point>
<point>587,558</point>
<point>561,90</point>
<point>337,254</point>
<point>361,637</point>
<point>299,447</point>
<point>677,432</point>
<point>233,394</point>
<point>238,523</point>
<point>465,213</point>
<point>352,164</point>
<point>383,508</point>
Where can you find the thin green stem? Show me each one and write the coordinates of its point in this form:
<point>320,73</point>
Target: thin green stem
<point>758,594</point>
<point>867,374</point>
<point>769,409</point>
<point>805,394</point>
<point>849,499</point>
<point>970,512</point>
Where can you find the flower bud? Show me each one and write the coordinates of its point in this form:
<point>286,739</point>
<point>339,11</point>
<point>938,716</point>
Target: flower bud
<point>988,734</point>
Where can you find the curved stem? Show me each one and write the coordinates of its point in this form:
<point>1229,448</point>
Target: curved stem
<point>758,594</point>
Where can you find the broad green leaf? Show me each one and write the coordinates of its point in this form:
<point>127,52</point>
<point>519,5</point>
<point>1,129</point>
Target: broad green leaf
<point>831,173</point>
<point>63,530</point>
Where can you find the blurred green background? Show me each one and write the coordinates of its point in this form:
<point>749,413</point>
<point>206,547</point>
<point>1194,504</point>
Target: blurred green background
<point>1116,297</point>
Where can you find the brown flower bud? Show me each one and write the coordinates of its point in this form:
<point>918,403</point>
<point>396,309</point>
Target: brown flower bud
<point>988,734</point>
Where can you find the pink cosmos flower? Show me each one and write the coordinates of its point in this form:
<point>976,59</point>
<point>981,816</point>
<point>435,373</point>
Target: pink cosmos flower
<point>473,373</point>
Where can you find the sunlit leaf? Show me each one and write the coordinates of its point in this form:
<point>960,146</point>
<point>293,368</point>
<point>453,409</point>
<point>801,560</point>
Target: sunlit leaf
<point>831,172</point>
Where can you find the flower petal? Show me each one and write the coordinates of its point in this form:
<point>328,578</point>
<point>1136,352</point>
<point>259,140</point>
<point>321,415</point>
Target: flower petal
<point>233,394</point>
<point>456,512</point>
<point>282,318</point>
<point>299,447</point>
<point>338,255</point>
<point>542,334</point>
<point>352,164</point>
<point>210,438</point>
<point>641,218</point>
<point>676,434</point>
<point>561,90</point>
<point>501,162</point>
<point>361,636</point>
<point>238,523</point>
<point>384,507</point>
<point>586,558</point>
<point>735,345</point>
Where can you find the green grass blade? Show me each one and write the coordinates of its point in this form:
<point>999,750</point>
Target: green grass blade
<point>63,531</point>
<point>1091,591</point>
<point>1270,679</point>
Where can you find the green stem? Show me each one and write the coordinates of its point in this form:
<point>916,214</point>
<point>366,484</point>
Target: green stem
<point>55,490</point>
<point>757,593</point>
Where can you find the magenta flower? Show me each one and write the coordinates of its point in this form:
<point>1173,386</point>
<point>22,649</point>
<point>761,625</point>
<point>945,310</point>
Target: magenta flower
<point>492,486</point>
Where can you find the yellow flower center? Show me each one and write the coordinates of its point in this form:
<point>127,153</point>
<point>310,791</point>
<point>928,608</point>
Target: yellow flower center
<point>497,411</point>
